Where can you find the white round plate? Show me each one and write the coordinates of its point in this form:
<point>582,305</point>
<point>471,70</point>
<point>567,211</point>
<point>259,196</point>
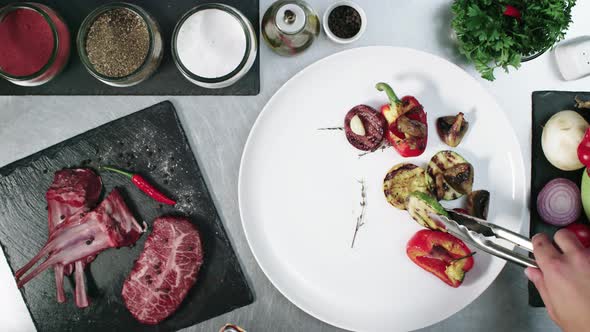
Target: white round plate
<point>299,196</point>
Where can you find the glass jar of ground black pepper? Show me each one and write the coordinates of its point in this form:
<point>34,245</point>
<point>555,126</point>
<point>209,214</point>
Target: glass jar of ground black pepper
<point>35,43</point>
<point>120,44</point>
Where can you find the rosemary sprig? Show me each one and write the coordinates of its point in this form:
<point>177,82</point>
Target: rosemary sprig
<point>331,128</point>
<point>360,220</point>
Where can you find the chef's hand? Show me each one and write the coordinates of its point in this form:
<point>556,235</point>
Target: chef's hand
<point>563,279</point>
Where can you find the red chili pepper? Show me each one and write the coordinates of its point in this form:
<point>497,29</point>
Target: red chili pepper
<point>441,254</point>
<point>512,12</point>
<point>405,144</point>
<point>143,185</point>
<point>584,150</point>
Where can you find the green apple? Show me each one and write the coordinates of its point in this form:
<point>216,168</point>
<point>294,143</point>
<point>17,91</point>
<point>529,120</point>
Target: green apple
<point>586,193</point>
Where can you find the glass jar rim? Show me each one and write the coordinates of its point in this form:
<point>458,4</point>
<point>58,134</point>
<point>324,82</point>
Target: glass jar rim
<point>243,23</point>
<point>35,7</point>
<point>89,20</point>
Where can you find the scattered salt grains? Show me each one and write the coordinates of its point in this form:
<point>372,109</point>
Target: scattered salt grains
<point>185,200</point>
<point>145,154</point>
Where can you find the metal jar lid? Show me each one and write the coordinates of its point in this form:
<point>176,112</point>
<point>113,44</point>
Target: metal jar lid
<point>289,27</point>
<point>290,18</point>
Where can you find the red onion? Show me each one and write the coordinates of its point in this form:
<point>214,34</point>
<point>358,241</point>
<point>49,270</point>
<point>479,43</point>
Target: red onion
<point>559,203</point>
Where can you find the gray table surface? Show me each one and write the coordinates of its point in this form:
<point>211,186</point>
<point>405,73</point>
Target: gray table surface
<point>218,127</point>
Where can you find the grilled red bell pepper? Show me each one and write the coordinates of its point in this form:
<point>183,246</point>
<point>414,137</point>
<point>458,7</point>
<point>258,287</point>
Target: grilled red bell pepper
<point>408,128</point>
<point>584,150</point>
<point>441,254</point>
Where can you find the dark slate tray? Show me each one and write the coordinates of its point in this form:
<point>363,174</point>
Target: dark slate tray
<point>153,143</point>
<point>545,105</point>
<point>167,80</point>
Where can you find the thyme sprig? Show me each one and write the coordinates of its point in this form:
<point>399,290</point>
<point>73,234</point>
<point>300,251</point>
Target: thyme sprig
<point>360,220</point>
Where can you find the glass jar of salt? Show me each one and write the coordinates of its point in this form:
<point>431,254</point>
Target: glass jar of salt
<point>214,45</point>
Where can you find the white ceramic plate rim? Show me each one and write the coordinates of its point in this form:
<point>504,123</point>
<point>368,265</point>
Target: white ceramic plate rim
<point>519,171</point>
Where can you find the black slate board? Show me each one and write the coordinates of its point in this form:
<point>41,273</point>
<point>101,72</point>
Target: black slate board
<point>153,143</point>
<point>167,80</point>
<point>545,105</point>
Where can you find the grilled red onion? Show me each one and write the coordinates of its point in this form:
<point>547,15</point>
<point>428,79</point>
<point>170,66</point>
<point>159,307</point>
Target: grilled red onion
<point>373,123</point>
<point>559,202</point>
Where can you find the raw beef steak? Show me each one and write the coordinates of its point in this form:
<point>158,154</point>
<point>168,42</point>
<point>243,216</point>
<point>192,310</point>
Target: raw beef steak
<point>165,271</point>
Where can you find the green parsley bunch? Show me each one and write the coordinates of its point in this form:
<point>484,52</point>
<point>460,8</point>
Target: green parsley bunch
<point>490,39</point>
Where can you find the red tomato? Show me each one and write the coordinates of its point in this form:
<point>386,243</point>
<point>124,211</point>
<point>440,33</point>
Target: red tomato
<point>582,233</point>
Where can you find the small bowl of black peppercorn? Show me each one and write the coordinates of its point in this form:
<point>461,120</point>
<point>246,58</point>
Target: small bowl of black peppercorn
<point>344,22</point>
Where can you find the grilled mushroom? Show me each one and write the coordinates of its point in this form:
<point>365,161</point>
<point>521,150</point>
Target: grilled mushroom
<point>460,177</point>
<point>478,203</point>
<point>452,129</point>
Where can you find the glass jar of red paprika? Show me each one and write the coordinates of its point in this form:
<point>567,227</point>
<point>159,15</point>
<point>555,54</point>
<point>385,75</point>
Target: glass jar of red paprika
<point>35,43</point>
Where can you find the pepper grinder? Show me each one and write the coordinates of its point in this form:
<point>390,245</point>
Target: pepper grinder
<point>289,27</point>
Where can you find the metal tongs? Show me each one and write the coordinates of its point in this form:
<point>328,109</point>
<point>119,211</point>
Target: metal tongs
<point>481,234</point>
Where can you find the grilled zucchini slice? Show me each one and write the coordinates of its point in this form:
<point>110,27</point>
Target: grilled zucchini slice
<point>420,205</point>
<point>401,180</point>
<point>450,175</point>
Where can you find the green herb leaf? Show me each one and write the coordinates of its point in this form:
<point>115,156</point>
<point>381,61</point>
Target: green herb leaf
<point>492,40</point>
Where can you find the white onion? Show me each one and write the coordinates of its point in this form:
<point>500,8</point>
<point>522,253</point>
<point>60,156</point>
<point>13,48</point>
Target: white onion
<point>560,139</point>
